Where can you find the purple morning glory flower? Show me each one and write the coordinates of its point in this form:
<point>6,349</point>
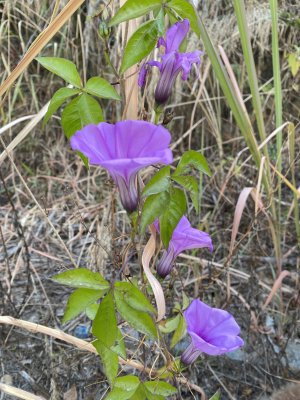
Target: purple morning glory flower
<point>172,62</point>
<point>213,331</point>
<point>123,149</point>
<point>183,238</point>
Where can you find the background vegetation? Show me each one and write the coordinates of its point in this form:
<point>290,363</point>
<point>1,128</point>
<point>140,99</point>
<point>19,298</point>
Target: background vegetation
<point>51,207</point>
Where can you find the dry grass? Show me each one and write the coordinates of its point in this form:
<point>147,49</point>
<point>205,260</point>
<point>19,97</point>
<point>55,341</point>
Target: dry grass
<point>53,213</point>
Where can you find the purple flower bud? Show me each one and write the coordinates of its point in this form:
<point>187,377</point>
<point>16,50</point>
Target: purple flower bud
<point>123,149</point>
<point>172,62</point>
<point>213,331</point>
<point>183,238</point>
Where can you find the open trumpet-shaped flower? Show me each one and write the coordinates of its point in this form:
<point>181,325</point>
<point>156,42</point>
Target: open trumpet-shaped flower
<point>183,238</point>
<point>123,149</point>
<point>213,331</point>
<point>172,62</point>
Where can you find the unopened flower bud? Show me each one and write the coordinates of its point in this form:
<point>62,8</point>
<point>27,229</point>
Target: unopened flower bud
<point>104,30</point>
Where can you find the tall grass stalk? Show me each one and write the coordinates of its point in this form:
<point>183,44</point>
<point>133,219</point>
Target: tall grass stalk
<point>240,11</point>
<point>292,163</point>
<point>40,42</point>
<point>238,109</point>
<point>277,93</point>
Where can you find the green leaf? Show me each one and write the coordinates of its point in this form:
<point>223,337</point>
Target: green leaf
<point>185,10</point>
<point>109,359</point>
<point>174,368</point>
<point>170,325</point>
<point>294,63</point>
<point>185,301</point>
<point>101,88</point>
<point>139,394</point>
<point>91,311</point>
<point>191,185</point>
<point>133,9</point>
<point>193,159</point>
<point>61,67</point>
<point>179,333</point>
<point>124,388</point>
<point>140,44</point>
<point>119,347</point>
<point>119,394</point>
<point>160,18</point>
<point>171,217</point>
<point>153,207</point>
<point>216,396</point>
<point>139,320</point>
<point>82,278</point>
<point>81,111</point>
<point>105,323</point>
<point>128,382</point>
<point>59,97</point>
<point>80,300</point>
<point>160,387</point>
<point>134,297</point>
<point>159,182</point>
<point>151,396</point>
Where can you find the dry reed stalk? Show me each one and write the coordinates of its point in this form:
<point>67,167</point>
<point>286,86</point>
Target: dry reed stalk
<point>233,81</point>
<point>58,334</point>
<point>41,42</point>
<point>19,393</point>
<point>24,132</point>
<point>83,345</point>
<point>131,82</point>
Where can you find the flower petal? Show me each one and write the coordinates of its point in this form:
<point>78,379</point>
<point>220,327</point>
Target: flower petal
<point>217,348</point>
<point>176,34</point>
<point>123,149</point>
<point>185,237</point>
<point>142,75</point>
<point>206,347</point>
<point>230,342</point>
<point>221,322</point>
<point>197,315</point>
<point>187,60</point>
<point>213,331</point>
<point>144,70</point>
<point>91,143</point>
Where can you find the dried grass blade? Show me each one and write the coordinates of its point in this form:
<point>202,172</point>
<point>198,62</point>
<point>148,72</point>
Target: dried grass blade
<point>233,81</point>
<point>155,285</point>
<point>83,345</point>
<point>24,132</point>
<point>286,181</point>
<point>15,122</point>
<point>277,284</point>
<point>56,333</point>
<point>41,42</point>
<point>238,215</point>
<point>19,393</point>
<point>258,186</point>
